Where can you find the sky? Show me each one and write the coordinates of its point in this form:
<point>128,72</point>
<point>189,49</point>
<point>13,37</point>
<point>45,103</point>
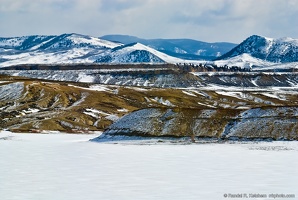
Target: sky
<point>204,20</point>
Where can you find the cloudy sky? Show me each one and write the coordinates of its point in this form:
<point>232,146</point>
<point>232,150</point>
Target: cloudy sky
<point>205,20</point>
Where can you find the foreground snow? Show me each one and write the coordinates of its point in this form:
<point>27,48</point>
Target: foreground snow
<point>62,166</point>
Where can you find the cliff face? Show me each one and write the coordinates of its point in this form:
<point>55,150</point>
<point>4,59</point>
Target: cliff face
<point>255,123</point>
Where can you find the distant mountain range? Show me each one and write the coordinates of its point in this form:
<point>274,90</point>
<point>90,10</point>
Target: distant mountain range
<point>187,49</point>
<point>255,51</point>
<point>76,48</point>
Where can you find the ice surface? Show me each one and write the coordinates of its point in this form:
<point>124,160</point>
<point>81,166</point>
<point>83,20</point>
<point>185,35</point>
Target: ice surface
<point>62,166</point>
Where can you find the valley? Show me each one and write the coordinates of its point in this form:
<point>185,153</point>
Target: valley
<point>148,100</point>
<point>132,87</point>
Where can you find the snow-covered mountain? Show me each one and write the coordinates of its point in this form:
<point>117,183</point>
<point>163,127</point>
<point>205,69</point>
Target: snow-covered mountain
<point>65,48</point>
<point>75,48</point>
<point>64,41</point>
<point>181,48</point>
<point>273,50</point>
<point>136,53</point>
<point>255,51</point>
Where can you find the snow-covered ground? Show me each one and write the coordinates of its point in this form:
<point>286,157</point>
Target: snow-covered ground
<point>61,166</point>
<point>244,61</point>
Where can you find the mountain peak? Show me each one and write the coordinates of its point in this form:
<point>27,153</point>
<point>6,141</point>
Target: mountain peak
<point>269,49</point>
<point>136,53</point>
<point>255,37</point>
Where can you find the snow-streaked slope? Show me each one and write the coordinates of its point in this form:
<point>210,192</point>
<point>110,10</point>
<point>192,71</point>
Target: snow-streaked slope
<point>74,55</point>
<point>64,166</point>
<point>81,39</point>
<point>247,61</point>
<point>65,48</point>
<point>244,61</point>
<point>11,91</point>
<point>269,49</point>
<point>24,42</point>
<point>49,42</point>
<point>136,53</point>
<point>76,40</point>
<point>163,56</point>
<point>11,42</point>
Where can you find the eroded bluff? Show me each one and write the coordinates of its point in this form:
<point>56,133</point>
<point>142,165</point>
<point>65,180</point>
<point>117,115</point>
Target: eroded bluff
<point>278,123</point>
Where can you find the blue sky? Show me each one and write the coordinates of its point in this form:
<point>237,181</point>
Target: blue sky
<point>205,20</point>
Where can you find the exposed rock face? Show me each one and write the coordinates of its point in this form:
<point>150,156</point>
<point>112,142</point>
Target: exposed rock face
<point>162,77</point>
<point>253,79</point>
<point>256,123</point>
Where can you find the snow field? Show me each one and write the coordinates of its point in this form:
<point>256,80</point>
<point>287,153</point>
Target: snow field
<point>62,166</point>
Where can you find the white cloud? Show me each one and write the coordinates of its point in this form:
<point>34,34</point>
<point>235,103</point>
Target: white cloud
<point>207,20</point>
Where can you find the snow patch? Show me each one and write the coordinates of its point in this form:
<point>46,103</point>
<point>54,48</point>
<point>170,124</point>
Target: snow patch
<point>102,88</point>
<point>31,110</point>
<point>112,117</point>
<point>244,61</point>
<point>163,102</point>
<point>122,110</point>
<point>84,78</point>
<point>189,93</point>
<point>96,114</point>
